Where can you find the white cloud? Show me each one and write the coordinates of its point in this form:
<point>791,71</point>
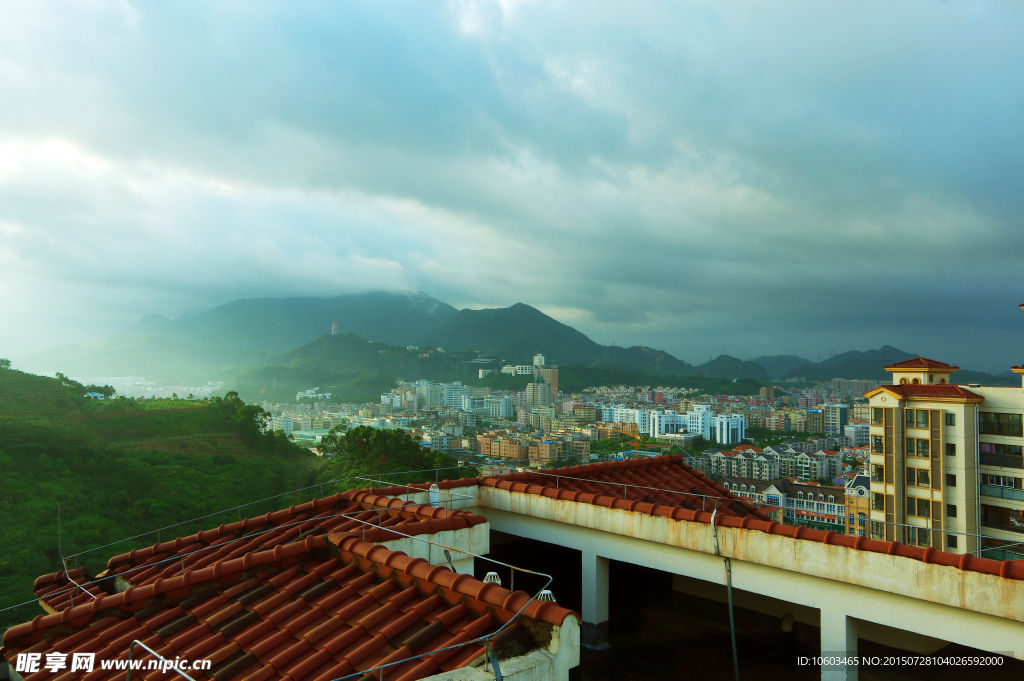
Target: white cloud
<point>665,173</point>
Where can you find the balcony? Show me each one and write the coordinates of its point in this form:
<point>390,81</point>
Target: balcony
<point>1005,460</point>
<point>1011,525</point>
<point>1002,492</point>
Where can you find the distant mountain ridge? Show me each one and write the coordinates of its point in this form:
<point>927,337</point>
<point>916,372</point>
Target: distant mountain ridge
<point>870,365</point>
<point>725,366</point>
<point>215,343</point>
<point>275,325</point>
<point>517,332</point>
<point>779,365</point>
<point>258,332</point>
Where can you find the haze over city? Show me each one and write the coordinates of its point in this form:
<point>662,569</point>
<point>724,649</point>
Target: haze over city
<point>696,177</point>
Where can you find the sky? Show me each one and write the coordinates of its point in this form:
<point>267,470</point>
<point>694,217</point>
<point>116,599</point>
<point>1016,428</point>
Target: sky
<point>702,177</point>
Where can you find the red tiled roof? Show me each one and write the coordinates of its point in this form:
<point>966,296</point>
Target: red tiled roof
<point>309,602</point>
<point>663,483</point>
<point>921,363</point>
<point>343,512</point>
<point>914,390</point>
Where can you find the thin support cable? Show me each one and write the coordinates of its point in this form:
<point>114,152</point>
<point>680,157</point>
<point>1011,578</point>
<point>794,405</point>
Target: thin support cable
<point>247,537</point>
<point>430,544</point>
<point>131,649</point>
<point>728,588</point>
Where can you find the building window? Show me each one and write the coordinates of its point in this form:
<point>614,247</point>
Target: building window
<point>916,381</point>
<point>918,447</point>
<point>950,541</point>
<point>950,449</point>
<point>877,416</point>
<point>877,472</point>
<point>1002,481</point>
<point>919,477</point>
<point>919,535</point>
<point>950,480</point>
<point>903,381</point>
<point>877,502</point>
<point>993,423</point>
<point>876,444</point>
<point>831,498</point>
<point>918,507</point>
<point>917,418</point>
<point>877,529</point>
<point>950,419</point>
<point>1000,449</point>
<point>951,510</point>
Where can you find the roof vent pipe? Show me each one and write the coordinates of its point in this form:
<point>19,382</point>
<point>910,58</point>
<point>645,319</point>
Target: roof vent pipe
<point>546,595</point>
<point>435,496</point>
<point>492,578</point>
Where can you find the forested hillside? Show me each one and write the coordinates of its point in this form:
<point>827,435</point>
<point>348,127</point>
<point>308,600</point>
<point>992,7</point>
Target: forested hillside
<point>120,468</point>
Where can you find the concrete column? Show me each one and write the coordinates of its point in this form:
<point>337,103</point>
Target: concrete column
<point>838,640</point>
<point>594,628</point>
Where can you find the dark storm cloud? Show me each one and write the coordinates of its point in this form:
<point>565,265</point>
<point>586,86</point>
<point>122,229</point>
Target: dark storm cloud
<point>789,178</point>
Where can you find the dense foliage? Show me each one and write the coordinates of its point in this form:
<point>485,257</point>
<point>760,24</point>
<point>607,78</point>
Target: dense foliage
<point>113,478</point>
<point>359,457</point>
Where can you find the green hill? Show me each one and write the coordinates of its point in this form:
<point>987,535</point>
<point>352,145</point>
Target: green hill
<point>37,398</point>
<point>725,366</point>
<point>118,468</point>
<point>779,365</point>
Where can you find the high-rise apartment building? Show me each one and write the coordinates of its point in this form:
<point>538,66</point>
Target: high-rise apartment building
<point>550,376</point>
<point>946,462</point>
<point>815,420</point>
<point>836,418</point>
<point>538,395</point>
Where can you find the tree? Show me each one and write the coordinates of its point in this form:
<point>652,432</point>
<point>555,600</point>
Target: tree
<point>364,456</point>
<point>5,363</point>
<point>105,390</point>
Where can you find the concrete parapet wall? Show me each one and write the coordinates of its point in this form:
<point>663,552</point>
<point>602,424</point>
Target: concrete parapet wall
<point>946,585</point>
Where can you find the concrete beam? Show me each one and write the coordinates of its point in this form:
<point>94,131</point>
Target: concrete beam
<point>944,622</point>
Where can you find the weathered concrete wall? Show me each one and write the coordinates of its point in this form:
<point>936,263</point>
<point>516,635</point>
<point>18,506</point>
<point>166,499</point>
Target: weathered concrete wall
<point>549,664</point>
<point>475,539</point>
<point>971,608</point>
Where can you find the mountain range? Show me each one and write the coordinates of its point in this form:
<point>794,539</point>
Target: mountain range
<point>244,335</point>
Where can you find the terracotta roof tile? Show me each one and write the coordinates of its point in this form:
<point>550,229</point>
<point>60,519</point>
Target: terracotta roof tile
<point>921,363</point>
<point>319,604</point>
<point>914,390</point>
<point>660,484</point>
